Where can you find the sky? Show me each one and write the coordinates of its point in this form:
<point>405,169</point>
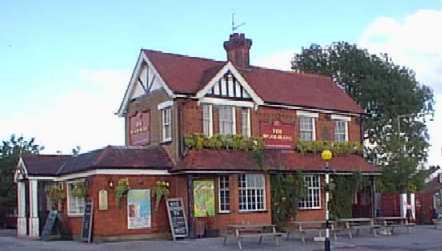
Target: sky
<point>65,64</point>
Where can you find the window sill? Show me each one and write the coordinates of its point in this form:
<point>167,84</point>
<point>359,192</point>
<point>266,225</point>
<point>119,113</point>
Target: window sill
<point>310,208</point>
<point>224,212</point>
<point>75,215</point>
<point>252,211</point>
<point>166,141</point>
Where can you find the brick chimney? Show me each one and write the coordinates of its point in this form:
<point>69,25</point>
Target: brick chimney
<point>238,50</point>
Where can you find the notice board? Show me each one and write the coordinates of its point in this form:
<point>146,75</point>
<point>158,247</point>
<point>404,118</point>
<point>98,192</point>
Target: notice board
<point>177,218</point>
<point>86,225</point>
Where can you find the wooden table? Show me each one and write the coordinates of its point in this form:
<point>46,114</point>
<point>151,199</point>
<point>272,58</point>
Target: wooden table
<point>240,231</point>
<point>357,224</point>
<point>302,227</point>
<point>392,222</point>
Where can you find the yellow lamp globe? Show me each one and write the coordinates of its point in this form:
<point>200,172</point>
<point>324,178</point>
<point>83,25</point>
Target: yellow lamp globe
<point>326,155</point>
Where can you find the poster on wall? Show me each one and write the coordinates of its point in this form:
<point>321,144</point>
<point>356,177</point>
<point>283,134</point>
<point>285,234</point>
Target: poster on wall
<point>139,128</point>
<point>204,198</point>
<point>277,135</point>
<point>138,209</point>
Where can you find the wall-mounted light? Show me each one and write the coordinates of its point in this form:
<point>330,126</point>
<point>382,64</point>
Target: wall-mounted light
<point>110,183</point>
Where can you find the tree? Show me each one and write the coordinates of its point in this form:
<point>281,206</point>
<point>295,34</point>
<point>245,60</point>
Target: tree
<point>397,107</point>
<point>10,152</point>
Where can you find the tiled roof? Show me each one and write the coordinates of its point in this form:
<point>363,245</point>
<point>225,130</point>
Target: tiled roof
<point>274,160</point>
<point>43,164</point>
<point>187,75</point>
<point>118,157</point>
<point>110,157</point>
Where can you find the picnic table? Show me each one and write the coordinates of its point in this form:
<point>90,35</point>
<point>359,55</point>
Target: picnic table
<point>350,224</point>
<point>240,231</point>
<point>392,222</point>
<point>303,227</point>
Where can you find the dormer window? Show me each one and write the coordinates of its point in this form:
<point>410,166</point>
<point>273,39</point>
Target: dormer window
<point>226,120</point>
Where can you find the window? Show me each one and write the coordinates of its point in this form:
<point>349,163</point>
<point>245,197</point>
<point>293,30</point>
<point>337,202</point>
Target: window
<point>307,128</point>
<point>223,194</point>
<point>75,204</point>
<point>245,122</point>
<point>167,123</point>
<point>207,120</point>
<point>341,131</point>
<point>251,192</point>
<point>312,199</point>
<point>226,120</point>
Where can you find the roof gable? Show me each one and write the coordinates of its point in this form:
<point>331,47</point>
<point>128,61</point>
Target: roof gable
<point>229,83</point>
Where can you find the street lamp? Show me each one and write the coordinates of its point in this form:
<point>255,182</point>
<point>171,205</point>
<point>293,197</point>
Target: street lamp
<point>326,156</point>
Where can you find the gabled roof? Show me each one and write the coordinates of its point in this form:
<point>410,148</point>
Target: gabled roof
<point>187,75</point>
<point>43,164</point>
<point>274,160</point>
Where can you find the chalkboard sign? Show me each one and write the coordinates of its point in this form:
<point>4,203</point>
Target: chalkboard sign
<point>177,218</point>
<point>86,226</point>
<point>49,225</point>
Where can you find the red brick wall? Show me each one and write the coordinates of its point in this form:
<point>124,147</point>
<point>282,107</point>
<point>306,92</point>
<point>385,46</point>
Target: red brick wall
<point>325,126</point>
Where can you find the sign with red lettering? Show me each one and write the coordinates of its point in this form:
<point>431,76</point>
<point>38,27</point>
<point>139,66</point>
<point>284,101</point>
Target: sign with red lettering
<point>277,135</point>
<point>139,128</point>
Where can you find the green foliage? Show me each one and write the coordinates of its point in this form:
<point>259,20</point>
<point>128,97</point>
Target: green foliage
<point>56,193</point>
<point>79,190</point>
<point>287,190</point>
<point>342,190</point>
<point>338,148</point>
<point>161,190</point>
<point>121,190</point>
<point>10,152</point>
<point>397,105</point>
<point>217,141</point>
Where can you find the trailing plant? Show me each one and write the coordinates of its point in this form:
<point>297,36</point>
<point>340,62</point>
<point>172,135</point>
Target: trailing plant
<point>342,190</point>
<point>217,141</point>
<point>287,190</point>
<point>161,190</point>
<point>56,193</point>
<point>121,190</point>
<point>338,148</point>
<point>79,190</point>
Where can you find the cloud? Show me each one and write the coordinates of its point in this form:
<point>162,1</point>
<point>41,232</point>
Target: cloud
<point>416,42</point>
<point>277,60</point>
<point>83,116</point>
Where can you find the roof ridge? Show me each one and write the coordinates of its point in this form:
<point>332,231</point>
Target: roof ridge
<point>290,72</point>
<point>183,55</point>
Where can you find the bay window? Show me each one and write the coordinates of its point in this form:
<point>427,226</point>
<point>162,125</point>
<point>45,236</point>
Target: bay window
<point>166,118</point>
<point>245,122</point>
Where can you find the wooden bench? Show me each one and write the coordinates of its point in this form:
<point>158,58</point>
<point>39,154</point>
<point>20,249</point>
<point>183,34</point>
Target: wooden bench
<point>304,227</point>
<point>437,223</point>
<point>241,231</point>
<point>356,224</point>
<point>392,223</point>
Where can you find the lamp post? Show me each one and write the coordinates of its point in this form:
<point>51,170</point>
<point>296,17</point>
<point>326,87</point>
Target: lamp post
<point>326,156</point>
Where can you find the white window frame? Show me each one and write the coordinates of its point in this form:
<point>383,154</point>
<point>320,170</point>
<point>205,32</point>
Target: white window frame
<point>310,190</point>
<point>165,124</point>
<point>221,190</point>
<point>256,189</point>
<point>78,212</point>
<point>248,129</point>
<point>208,120</point>
<point>313,120</point>
<point>345,130</point>
<point>233,118</point>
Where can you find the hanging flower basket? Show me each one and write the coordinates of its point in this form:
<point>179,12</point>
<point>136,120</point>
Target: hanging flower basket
<point>121,190</point>
<point>161,189</point>
<point>79,190</point>
<point>56,193</point>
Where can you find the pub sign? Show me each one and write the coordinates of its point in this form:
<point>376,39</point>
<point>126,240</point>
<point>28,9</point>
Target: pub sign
<point>139,128</point>
<point>277,135</point>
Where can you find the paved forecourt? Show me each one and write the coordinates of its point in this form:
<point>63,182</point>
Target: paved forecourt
<point>422,238</point>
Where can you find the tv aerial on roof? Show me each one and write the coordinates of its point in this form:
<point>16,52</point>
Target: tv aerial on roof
<point>236,26</point>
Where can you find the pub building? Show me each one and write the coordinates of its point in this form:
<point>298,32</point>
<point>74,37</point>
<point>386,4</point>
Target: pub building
<point>172,99</point>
